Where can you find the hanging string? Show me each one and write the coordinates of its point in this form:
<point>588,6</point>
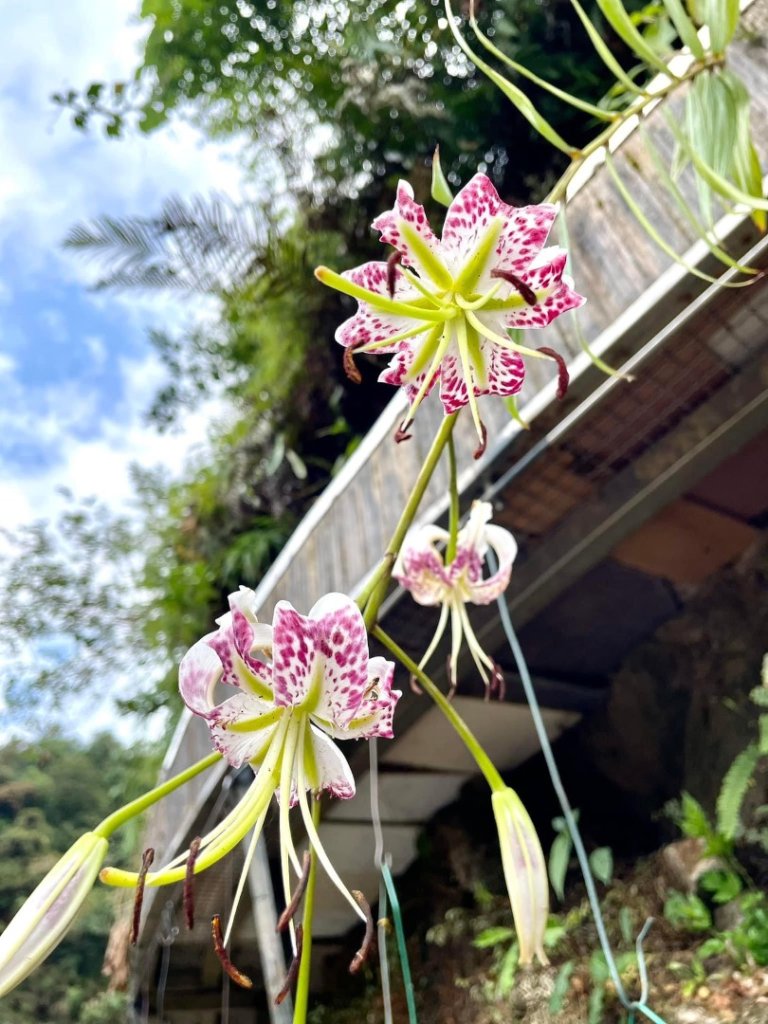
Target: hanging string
<point>167,937</point>
<point>637,1005</point>
<point>387,890</point>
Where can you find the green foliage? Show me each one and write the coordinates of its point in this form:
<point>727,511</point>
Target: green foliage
<point>600,860</point>
<point>733,790</point>
<point>50,792</point>
<point>687,912</point>
<point>722,885</point>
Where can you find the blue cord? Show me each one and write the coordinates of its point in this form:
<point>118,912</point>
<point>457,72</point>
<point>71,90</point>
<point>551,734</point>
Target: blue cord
<point>573,828</point>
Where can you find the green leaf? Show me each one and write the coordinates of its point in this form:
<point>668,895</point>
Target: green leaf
<point>722,18</point>
<point>493,937</point>
<point>512,92</point>
<point>721,884</point>
<point>694,822</point>
<point>685,27</point>
<point>734,789</point>
<point>559,855</point>
<point>759,696</point>
<point>654,235</point>
<point>762,743</point>
<point>561,986</point>
<point>712,947</point>
<point>621,23</point>
<point>297,464</point>
<point>441,190</point>
<point>604,52</point>
<point>505,980</point>
<point>601,862</point>
<point>626,925</point>
<point>687,912</point>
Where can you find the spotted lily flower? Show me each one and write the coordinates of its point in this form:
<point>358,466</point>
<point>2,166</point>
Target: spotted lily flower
<point>422,569</point>
<point>47,914</point>
<point>525,872</point>
<point>301,683</point>
<point>444,306</point>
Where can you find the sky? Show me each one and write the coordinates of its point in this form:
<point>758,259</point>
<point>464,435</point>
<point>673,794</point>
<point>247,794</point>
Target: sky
<point>76,370</point>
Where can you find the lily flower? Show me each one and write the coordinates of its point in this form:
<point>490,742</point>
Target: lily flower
<point>444,306</point>
<point>301,683</point>
<point>422,569</point>
<point>525,872</point>
<point>47,914</point>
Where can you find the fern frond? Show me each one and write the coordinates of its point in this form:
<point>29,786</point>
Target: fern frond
<point>734,789</point>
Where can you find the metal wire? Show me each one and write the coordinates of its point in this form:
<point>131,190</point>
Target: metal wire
<point>573,828</point>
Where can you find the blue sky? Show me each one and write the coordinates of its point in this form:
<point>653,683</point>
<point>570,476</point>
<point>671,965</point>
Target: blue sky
<point>76,371</point>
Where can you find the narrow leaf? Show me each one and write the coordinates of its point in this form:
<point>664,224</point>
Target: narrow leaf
<point>685,27</point>
<point>566,97</point>
<point>654,235</point>
<point>621,23</point>
<point>604,53</point>
<point>512,92</point>
<point>561,987</point>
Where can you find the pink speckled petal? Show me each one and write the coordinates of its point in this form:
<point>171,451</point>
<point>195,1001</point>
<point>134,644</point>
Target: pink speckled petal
<point>369,325</point>
<point>375,712</point>
<point>296,659</point>
<point>409,211</point>
<point>240,747</point>
<point>419,567</point>
<point>483,591</point>
<point>343,642</point>
<point>453,386</point>
<point>546,274</point>
<point>524,232</point>
<point>374,277</point>
<point>199,671</point>
<point>398,367</point>
<point>506,370</point>
<point>237,639</point>
<point>333,772</point>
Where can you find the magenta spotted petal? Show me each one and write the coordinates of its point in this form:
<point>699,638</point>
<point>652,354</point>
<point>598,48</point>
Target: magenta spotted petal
<point>445,313</point>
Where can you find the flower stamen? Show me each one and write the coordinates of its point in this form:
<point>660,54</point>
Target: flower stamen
<point>525,290</point>
<point>189,883</point>
<point>229,968</point>
<point>293,905</point>
<point>146,860</point>
<point>362,954</point>
<point>293,969</point>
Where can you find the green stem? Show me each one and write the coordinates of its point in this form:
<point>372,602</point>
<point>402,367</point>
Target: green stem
<point>635,108</point>
<point>301,998</point>
<point>453,511</point>
<point>406,519</point>
<point>484,762</point>
<point>135,807</point>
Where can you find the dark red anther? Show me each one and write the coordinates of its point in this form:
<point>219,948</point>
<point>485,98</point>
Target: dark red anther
<point>393,261</point>
<point>293,970</point>
<point>229,968</point>
<point>188,898</point>
<point>288,914</point>
<point>362,954</point>
<point>348,362</point>
<point>525,290</point>
<point>563,377</point>
<point>403,432</point>
<point>480,450</point>
<point>146,860</point>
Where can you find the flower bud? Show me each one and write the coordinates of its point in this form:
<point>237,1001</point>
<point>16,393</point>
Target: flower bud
<point>525,872</point>
<point>45,917</point>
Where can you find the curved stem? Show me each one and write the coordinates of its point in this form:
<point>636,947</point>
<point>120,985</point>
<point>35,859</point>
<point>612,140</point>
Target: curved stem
<point>371,601</point>
<point>135,807</point>
<point>484,763</point>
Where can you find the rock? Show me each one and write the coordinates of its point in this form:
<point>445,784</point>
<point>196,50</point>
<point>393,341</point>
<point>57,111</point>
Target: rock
<point>684,862</point>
